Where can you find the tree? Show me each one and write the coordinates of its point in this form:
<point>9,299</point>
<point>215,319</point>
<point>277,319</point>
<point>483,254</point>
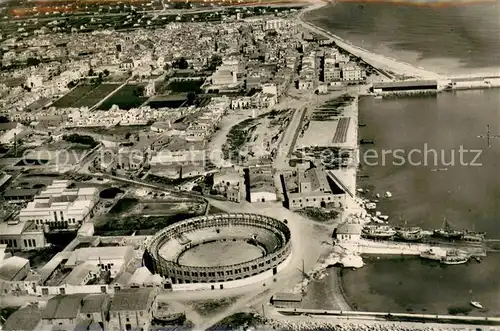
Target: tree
<point>91,72</point>
<point>190,98</point>
<point>32,61</point>
<point>180,63</point>
<point>4,119</point>
<point>214,62</point>
<point>106,72</point>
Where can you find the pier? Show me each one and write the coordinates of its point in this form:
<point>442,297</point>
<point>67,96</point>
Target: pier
<point>381,247</point>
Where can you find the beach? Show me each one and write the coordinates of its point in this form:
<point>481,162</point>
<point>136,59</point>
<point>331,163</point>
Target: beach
<point>376,60</point>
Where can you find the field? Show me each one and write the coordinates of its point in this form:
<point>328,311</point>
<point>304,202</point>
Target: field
<point>146,217</point>
<point>96,95</point>
<point>74,96</point>
<point>129,96</point>
<point>185,86</point>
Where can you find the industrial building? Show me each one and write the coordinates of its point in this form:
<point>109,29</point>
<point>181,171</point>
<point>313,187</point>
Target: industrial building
<point>59,206</point>
<point>315,188</point>
<point>406,87</point>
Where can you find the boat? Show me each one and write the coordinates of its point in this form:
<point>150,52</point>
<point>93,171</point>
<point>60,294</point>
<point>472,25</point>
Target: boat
<point>378,231</point>
<point>370,205</point>
<point>388,194</point>
<point>378,97</point>
<point>443,169</point>
<point>455,257</point>
<point>435,254</point>
<point>377,196</point>
<point>476,304</point>
<point>473,237</point>
<point>434,169</point>
<point>452,260</point>
<point>410,233</point>
<point>366,142</point>
<point>447,232</point>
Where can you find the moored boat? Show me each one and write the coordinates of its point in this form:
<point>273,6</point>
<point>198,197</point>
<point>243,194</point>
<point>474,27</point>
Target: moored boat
<point>455,257</point>
<point>476,304</point>
<point>447,232</point>
<point>435,254</point>
<point>388,194</point>
<point>411,233</point>
<point>472,236</point>
<point>378,231</point>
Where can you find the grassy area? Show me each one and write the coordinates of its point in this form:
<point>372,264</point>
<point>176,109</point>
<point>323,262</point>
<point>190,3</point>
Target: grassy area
<point>185,86</point>
<point>212,307</point>
<point>238,321</point>
<point>122,226</point>
<point>74,96</point>
<point>123,205</point>
<point>319,215</point>
<point>96,95</point>
<point>237,136</point>
<point>129,96</point>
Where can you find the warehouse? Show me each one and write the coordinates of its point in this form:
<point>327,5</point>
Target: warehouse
<point>406,87</point>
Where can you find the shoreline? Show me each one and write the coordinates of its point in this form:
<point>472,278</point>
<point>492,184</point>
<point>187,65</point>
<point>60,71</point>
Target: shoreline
<point>388,63</point>
<point>376,60</point>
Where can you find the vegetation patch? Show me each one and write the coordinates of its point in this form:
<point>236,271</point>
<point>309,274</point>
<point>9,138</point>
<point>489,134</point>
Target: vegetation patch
<point>239,321</point>
<point>123,205</point>
<point>80,139</point>
<point>128,97</point>
<point>110,193</point>
<point>237,136</point>
<point>319,215</point>
<point>212,307</point>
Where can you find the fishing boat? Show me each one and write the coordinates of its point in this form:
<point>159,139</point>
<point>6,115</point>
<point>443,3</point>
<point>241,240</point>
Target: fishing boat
<point>473,236</point>
<point>388,194</point>
<point>454,256</point>
<point>377,196</point>
<point>476,304</point>
<point>378,231</point>
<point>447,232</point>
<point>410,233</point>
<point>366,141</point>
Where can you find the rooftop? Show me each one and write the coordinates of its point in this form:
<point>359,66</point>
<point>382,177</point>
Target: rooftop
<point>63,306</point>
<point>10,267</point>
<point>131,299</point>
<point>25,318</point>
<point>408,83</point>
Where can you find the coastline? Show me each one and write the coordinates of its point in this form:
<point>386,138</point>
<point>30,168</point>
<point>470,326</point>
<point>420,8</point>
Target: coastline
<point>376,60</point>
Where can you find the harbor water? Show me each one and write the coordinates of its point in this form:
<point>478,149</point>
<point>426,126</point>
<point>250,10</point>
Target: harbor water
<point>444,185</point>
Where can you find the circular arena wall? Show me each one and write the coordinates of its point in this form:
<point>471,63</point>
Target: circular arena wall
<point>180,237</point>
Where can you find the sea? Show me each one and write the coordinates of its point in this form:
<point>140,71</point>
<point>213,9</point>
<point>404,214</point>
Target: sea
<point>421,138</point>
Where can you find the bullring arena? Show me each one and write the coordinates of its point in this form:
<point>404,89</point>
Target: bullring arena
<point>219,251</point>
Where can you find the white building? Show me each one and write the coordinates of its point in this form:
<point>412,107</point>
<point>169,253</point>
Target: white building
<point>352,73</point>
<point>112,259</point>
<point>59,206</point>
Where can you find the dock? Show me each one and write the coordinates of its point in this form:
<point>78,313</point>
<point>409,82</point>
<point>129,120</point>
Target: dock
<point>381,247</point>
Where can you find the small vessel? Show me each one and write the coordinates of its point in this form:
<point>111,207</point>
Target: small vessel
<point>434,169</point>
<point>370,205</point>
<point>435,254</point>
<point>476,304</point>
<point>383,217</point>
<point>410,233</point>
<point>388,194</point>
<point>366,142</point>
<point>453,257</point>
<point>378,231</point>
<point>447,232</point>
<point>443,169</point>
<point>377,196</point>
<point>361,124</point>
<point>378,97</point>
<point>473,237</point>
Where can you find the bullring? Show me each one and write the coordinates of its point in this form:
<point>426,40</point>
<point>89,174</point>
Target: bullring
<point>222,248</point>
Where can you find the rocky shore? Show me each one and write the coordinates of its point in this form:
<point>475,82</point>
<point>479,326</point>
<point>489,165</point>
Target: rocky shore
<point>296,325</point>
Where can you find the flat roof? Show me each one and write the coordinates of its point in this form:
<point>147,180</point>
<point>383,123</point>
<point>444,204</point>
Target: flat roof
<point>407,83</point>
<point>10,267</point>
<point>287,297</point>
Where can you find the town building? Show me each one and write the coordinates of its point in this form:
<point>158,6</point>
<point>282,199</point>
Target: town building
<point>316,189</point>
<point>13,271</point>
<point>59,206</point>
<point>348,232</point>
<point>132,309</point>
<point>21,235</point>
